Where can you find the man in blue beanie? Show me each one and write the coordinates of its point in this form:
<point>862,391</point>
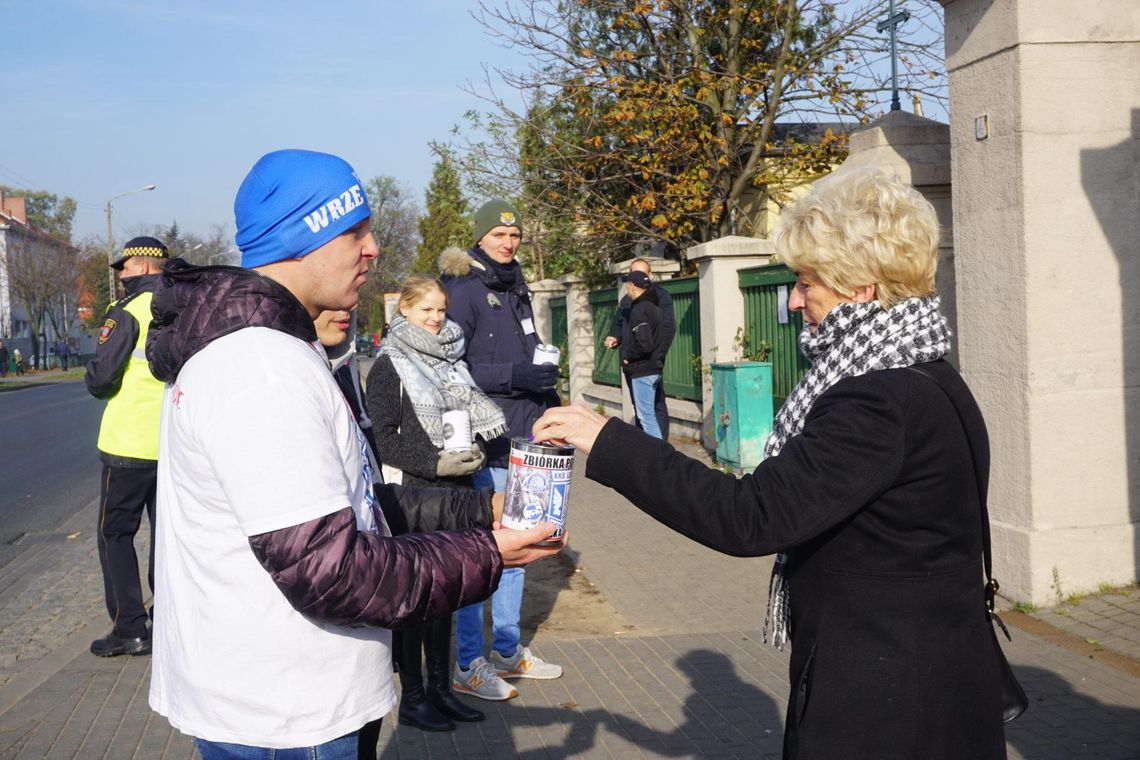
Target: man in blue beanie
<point>278,577</point>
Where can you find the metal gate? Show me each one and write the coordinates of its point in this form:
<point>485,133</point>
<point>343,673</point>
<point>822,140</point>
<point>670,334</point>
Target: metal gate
<point>767,318</point>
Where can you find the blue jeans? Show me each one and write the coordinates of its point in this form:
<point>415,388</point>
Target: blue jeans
<point>344,748</point>
<point>506,602</point>
<point>644,397</point>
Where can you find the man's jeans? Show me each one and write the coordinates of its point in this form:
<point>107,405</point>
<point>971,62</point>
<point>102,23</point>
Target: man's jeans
<point>506,602</point>
<point>644,395</point>
<point>344,748</point>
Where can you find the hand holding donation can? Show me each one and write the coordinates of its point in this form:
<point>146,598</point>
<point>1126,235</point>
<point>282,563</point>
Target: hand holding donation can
<point>538,486</point>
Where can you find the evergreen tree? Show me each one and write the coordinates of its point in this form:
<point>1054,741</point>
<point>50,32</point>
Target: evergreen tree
<point>445,222</point>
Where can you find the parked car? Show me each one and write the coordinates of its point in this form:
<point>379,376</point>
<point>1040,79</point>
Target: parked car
<point>364,345</point>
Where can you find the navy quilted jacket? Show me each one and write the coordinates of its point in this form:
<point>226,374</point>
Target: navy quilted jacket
<point>498,324</point>
<point>326,568</point>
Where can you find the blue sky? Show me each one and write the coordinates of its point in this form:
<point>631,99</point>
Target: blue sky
<point>100,97</point>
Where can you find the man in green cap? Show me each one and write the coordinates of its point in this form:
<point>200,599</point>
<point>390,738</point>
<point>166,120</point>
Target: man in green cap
<point>489,299</point>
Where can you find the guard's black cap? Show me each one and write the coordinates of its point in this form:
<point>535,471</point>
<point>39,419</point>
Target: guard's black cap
<point>141,246</point>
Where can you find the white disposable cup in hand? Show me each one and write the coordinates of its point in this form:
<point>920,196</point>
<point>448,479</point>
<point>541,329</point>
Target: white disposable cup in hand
<point>456,430</point>
<point>544,354</point>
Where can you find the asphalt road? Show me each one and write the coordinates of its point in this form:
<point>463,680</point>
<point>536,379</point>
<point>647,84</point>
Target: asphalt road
<point>49,467</point>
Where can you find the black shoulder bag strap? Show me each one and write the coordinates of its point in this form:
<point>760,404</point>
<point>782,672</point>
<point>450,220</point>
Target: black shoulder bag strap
<point>1014,701</point>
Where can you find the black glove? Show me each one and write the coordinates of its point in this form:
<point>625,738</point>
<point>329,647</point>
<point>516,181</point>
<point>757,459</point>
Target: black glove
<point>533,377</point>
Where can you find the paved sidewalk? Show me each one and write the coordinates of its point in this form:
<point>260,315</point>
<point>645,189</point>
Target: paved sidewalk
<point>684,675</point>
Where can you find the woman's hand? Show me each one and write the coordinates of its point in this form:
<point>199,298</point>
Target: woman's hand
<point>517,546</point>
<point>576,424</point>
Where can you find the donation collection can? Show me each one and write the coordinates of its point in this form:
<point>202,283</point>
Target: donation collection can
<point>538,486</point>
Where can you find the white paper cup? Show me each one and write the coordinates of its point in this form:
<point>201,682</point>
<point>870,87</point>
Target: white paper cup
<point>456,430</point>
<point>544,354</point>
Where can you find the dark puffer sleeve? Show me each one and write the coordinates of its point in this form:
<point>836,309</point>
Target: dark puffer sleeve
<point>330,571</point>
<point>419,509</point>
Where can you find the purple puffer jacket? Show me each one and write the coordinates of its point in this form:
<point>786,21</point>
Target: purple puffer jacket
<point>326,568</point>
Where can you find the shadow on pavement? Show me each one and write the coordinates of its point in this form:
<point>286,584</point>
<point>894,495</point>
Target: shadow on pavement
<point>1061,723</point>
<point>722,716</point>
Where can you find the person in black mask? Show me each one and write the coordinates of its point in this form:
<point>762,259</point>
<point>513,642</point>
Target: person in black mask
<point>488,298</point>
<point>128,445</point>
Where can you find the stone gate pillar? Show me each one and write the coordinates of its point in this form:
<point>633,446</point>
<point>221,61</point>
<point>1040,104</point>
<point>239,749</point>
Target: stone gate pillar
<point>1045,139</point>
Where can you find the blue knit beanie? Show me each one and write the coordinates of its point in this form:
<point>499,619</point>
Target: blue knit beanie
<point>293,202</point>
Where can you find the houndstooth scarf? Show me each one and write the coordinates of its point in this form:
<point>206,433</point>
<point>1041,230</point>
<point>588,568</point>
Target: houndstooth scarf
<point>852,340</point>
<point>436,379</point>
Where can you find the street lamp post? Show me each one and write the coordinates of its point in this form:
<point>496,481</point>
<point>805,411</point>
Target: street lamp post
<point>111,240</point>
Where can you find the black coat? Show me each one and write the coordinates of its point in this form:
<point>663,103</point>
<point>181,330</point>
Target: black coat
<point>641,337</point>
<point>876,504</point>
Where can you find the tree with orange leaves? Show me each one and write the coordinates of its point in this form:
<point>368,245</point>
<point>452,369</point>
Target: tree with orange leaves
<point>656,120</point>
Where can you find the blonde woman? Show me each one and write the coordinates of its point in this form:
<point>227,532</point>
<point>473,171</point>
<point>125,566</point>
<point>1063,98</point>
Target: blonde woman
<point>418,375</point>
<point>871,493</point>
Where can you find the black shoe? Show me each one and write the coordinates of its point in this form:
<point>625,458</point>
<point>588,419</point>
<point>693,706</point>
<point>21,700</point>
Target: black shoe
<point>453,707</point>
<point>112,645</point>
<point>422,714</point>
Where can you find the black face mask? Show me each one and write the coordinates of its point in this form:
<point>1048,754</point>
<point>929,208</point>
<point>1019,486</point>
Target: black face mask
<point>131,285</point>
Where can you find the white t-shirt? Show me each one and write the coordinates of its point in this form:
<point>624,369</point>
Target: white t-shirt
<point>256,436</point>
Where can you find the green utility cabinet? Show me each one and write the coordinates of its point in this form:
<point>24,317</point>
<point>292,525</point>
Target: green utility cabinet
<point>742,412</point>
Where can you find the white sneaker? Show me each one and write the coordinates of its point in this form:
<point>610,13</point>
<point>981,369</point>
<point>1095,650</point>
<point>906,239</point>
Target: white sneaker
<point>481,680</point>
<point>524,665</point>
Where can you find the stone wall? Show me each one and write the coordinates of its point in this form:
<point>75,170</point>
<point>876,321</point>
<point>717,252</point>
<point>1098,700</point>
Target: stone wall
<point>1045,96</point>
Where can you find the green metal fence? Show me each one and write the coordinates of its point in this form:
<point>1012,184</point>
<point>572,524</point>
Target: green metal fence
<point>764,288</point>
<point>558,322</point>
<point>682,377</point>
<point>607,362</point>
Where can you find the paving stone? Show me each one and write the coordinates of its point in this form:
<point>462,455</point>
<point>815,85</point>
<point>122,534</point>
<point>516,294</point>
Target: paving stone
<point>691,679</point>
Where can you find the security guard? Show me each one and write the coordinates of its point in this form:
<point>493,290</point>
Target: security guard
<point>128,445</point>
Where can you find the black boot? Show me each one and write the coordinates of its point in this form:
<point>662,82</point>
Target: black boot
<point>416,711</point>
<point>437,648</point>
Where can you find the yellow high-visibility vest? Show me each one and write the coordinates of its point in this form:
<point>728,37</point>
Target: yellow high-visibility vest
<point>130,421</point>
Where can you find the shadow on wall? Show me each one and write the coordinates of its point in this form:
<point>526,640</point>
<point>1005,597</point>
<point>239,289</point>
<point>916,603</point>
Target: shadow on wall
<point>1111,181</point>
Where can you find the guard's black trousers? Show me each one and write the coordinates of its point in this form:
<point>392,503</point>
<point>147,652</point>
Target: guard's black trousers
<point>124,493</point>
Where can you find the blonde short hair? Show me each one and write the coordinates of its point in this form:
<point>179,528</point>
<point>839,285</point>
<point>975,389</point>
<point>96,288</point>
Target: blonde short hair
<point>416,287</point>
<point>863,227</point>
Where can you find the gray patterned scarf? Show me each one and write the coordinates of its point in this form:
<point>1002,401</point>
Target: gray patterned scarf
<point>436,379</point>
<point>852,340</point>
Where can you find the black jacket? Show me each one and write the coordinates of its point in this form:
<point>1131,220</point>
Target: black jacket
<point>876,503</point>
<point>668,319</point>
<point>326,568</point>
<point>641,338</point>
